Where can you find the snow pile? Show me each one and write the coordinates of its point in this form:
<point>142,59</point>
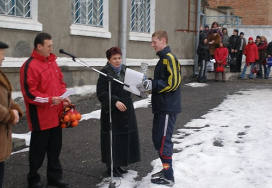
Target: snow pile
<point>196,84</point>
<point>228,147</point>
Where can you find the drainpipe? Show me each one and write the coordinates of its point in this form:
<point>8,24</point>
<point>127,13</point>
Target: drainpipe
<point>197,36</point>
<point>123,31</point>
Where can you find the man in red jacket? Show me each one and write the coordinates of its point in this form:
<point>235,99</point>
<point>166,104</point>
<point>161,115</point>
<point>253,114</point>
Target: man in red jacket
<point>251,53</point>
<point>42,85</point>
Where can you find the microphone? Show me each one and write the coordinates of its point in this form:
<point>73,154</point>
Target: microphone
<point>63,52</point>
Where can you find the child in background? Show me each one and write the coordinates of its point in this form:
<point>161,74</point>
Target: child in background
<point>220,55</point>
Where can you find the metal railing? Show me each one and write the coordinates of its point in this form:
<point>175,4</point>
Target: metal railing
<point>223,21</point>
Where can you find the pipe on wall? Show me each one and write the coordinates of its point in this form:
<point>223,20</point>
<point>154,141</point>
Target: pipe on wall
<point>123,31</point>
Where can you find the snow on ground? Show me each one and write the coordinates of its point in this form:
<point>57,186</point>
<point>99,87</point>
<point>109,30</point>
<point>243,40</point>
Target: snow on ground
<point>230,146</point>
<point>138,104</point>
<point>196,84</point>
<point>81,90</point>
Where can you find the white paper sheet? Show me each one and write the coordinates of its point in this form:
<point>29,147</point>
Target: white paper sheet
<point>133,78</point>
<point>68,93</point>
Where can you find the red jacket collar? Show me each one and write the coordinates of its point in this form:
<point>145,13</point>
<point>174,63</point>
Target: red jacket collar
<point>35,54</point>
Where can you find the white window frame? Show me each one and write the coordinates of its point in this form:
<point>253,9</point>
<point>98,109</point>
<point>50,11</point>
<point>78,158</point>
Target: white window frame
<point>87,30</point>
<point>146,37</point>
<point>31,24</point>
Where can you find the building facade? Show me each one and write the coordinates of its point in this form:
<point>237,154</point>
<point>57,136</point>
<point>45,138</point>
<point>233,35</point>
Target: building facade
<point>88,28</point>
<point>253,12</point>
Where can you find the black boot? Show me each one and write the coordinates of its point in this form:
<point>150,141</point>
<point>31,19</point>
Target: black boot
<point>115,171</point>
<point>122,170</point>
<point>60,183</point>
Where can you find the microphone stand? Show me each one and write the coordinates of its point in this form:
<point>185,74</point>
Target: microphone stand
<point>110,78</point>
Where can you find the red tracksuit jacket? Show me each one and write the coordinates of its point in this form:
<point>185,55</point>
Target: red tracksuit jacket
<point>41,79</point>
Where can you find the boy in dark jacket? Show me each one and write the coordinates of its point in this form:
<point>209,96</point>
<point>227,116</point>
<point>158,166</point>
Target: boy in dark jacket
<point>166,104</point>
<point>234,46</point>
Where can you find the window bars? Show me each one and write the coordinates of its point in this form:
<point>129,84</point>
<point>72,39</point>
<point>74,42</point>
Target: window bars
<point>140,16</point>
<point>87,12</point>
<point>18,8</point>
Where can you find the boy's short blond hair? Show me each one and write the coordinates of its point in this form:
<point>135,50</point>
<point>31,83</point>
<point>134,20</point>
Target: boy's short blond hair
<point>160,35</point>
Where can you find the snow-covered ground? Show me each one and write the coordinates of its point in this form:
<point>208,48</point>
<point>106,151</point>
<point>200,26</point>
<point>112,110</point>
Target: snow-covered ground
<point>229,147</point>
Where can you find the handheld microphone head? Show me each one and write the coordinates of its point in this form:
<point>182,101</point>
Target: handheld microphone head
<point>61,50</point>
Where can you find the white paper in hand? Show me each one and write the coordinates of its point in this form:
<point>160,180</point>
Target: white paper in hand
<point>133,78</point>
<point>68,93</point>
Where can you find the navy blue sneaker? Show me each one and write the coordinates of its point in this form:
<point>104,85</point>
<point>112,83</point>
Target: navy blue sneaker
<point>157,175</point>
<point>163,181</point>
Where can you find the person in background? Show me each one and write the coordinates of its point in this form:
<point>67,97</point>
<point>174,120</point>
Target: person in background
<point>258,40</point>
<point>125,137</point>
<point>225,39</point>
<point>240,52</point>
<point>258,43</point>
<point>166,104</point>
<point>42,85</point>
<point>10,112</point>
<point>216,27</point>
<point>214,40</point>
<point>234,46</point>
<point>220,56</point>
<point>204,33</point>
<point>262,49</point>
<point>251,53</point>
<point>269,55</point>
<point>203,53</point>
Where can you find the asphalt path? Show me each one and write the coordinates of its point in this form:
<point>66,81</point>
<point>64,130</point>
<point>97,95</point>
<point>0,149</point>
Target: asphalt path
<point>80,156</point>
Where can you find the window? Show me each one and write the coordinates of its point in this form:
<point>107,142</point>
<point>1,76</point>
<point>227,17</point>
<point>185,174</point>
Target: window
<point>140,16</point>
<point>88,12</point>
<point>142,19</point>
<point>19,8</point>
<point>90,18</point>
<point>19,14</point>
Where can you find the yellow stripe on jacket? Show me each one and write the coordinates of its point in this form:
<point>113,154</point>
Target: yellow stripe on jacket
<point>174,79</point>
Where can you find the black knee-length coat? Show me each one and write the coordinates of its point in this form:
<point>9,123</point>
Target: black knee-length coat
<point>126,146</point>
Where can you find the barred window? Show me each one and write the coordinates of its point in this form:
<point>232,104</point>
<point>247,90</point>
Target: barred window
<point>87,12</point>
<point>18,8</point>
<point>140,16</point>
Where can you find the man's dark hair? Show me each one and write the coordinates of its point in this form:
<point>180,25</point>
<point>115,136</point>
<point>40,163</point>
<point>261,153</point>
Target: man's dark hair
<point>39,39</point>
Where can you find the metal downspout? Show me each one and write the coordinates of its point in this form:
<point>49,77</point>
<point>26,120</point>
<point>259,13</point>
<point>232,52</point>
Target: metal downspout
<point>197,37</point>
<point>123,31</point>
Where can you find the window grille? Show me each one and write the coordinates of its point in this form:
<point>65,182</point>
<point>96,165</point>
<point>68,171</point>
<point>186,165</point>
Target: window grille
<point>87,12</point>
<point>140,16</point>
<point>18,8</point>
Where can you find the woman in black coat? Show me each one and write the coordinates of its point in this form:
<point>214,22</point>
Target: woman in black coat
<point>126,146</point>
<point>203,52</point>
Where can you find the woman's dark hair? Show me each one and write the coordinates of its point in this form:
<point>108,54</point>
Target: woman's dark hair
<point>214,24</point>
<point>113,51</point>
<point>219,44</point>
<point>39,39</point>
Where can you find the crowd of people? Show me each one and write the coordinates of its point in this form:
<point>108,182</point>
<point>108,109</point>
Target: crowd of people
<point>227,51</point>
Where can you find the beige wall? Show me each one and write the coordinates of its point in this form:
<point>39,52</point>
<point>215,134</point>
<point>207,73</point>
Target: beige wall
<point>56,19</point>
